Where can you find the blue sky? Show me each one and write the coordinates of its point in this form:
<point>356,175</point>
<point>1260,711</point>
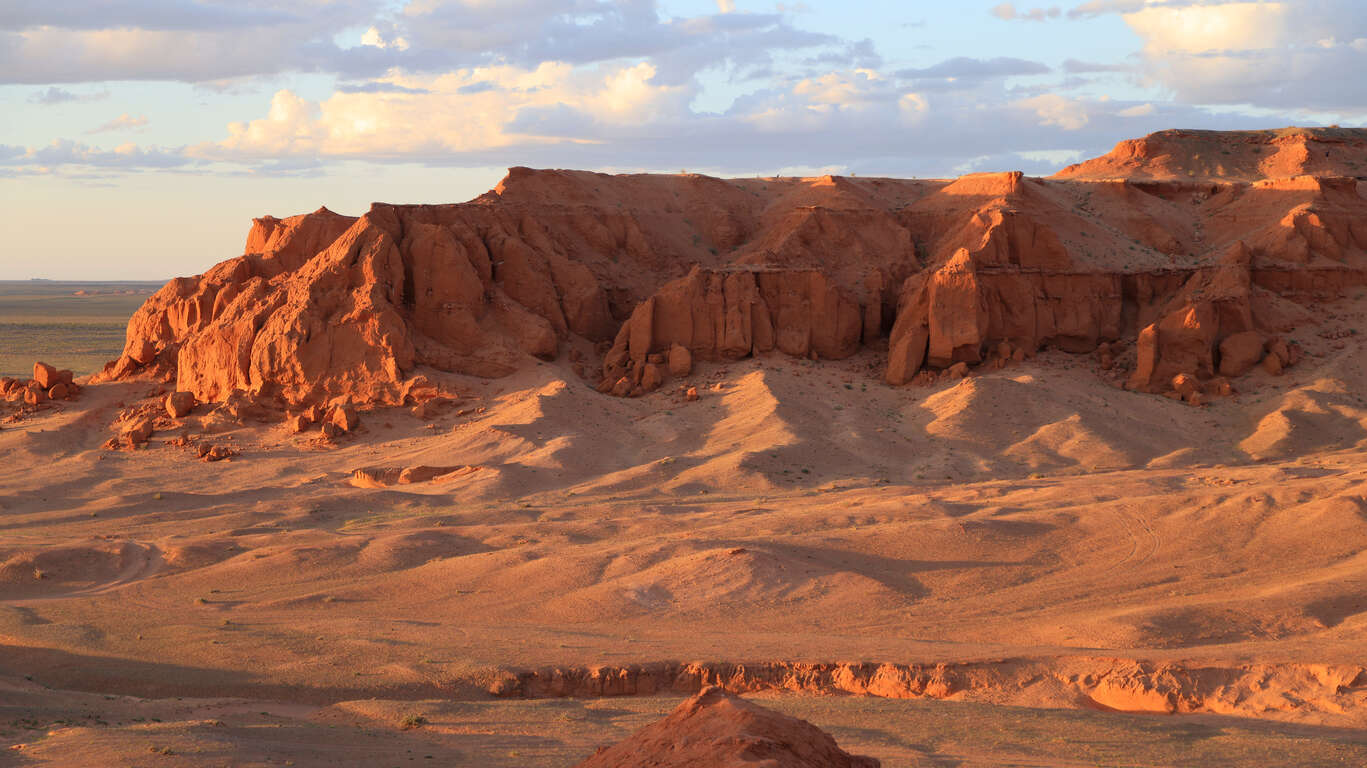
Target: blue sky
<point>138,137</point>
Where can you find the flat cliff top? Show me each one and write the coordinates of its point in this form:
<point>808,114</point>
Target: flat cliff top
<point>1231,155</point>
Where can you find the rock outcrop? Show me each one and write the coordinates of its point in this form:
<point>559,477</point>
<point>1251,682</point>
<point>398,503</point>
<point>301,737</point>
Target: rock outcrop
<point>721,730</point>
<point>658,273</point>
<point>47,385</point>
<point>725,315</point>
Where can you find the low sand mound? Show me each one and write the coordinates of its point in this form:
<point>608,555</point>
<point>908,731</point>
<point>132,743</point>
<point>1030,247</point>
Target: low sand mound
<point>34,572</point>
<point>385,554</point>
<point>1322,416</point>
<point>1050,421</point>
<point>703,579</point>
<point>719,730</point>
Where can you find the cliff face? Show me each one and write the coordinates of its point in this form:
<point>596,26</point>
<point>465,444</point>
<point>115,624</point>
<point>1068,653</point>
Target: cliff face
<point>634,268</point>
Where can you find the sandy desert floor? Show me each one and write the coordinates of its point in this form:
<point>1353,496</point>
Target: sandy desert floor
<point>76,326</point>
<point>1026,567</point>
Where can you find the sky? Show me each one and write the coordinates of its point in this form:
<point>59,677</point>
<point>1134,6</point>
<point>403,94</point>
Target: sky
<point>139,137</point>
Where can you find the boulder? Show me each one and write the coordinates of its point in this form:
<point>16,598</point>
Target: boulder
<point>652,377</point>
<point>1279,349</point>
<point>212,453</point>
<point>136,433</point>
<point>719,730</point>
<point>1218,387</point>
<point>906,349</point>
<point>1273,364</point>
<point>344,418</point>
<point>141,351</point>
<point>59,391</point>
<point>1181,343</point>
<point>45,375</point>
<point>1185,385</point>
<point>680,360</point>
<point>180,404</point>
<point>1239,352</point>
<point>34,393</point>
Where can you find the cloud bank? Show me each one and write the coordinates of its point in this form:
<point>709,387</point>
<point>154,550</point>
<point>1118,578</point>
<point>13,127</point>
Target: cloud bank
<point>616,84</point>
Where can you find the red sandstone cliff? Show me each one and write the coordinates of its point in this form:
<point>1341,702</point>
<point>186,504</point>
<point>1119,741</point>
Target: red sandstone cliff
<point>659,271</point>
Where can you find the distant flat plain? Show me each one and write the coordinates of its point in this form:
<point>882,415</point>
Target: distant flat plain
<point>75,325</point>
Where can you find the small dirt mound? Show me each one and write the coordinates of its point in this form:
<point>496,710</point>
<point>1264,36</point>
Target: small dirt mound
<point>718,729</point>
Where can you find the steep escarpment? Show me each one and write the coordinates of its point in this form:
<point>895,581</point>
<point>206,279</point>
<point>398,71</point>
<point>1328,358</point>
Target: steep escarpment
<point>1177,282</point>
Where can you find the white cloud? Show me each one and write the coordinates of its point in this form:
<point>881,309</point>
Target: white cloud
<point>97,40</point>
<point>375,39</point>
<point>63,153</point>
<point>913,105</point>
<point>1168,29</point>
<point>124,122</point>
<point>1285,55</point>
<point>624,116</point>
<point>963,68</point>
<point>1054,109</point>
<point>1139,110</point>
<point>726,6</point>
<point>1055,158</point>
<point>470,110</point>
<point>1008,12</point>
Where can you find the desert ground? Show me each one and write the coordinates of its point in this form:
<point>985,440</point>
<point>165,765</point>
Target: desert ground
<point>1025,538</point>
<point>77,326</point>
<point>1029,559</point>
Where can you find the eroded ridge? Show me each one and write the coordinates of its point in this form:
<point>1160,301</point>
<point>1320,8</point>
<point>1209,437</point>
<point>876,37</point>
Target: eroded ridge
<point>1181,283</point>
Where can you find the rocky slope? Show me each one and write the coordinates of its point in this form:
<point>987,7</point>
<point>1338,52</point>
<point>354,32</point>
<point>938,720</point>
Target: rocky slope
<point>1177,282</point>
